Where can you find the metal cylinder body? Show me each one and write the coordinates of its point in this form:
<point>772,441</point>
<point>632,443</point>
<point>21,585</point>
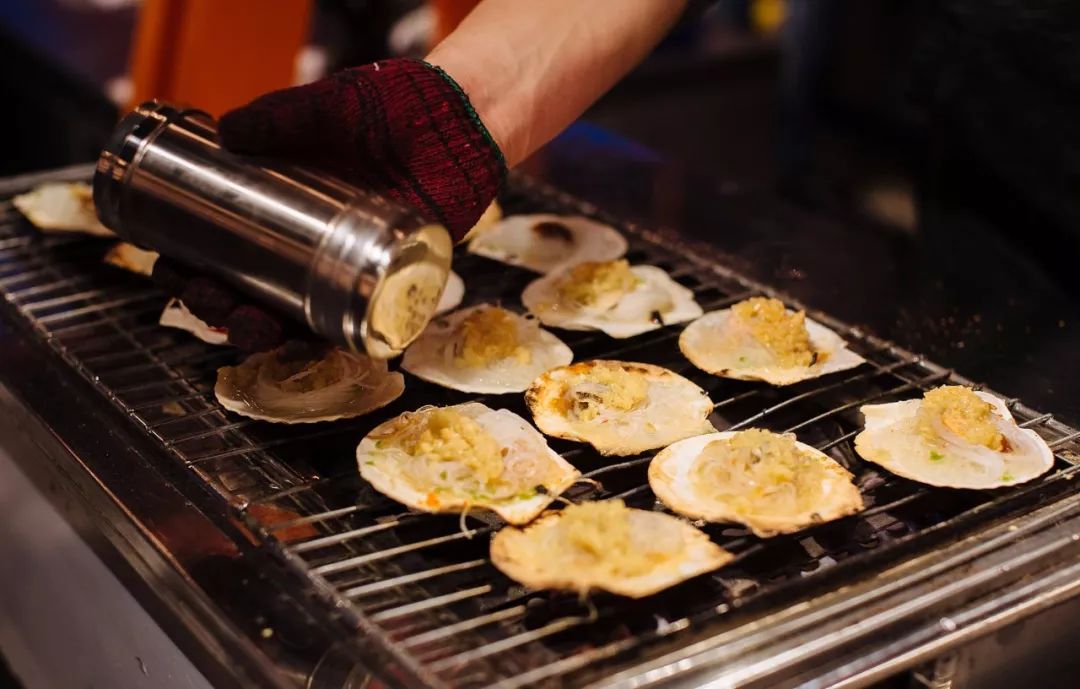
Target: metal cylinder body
<point>357,268</point>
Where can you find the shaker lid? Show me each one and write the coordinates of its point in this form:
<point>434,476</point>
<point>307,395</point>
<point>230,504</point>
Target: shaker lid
<point>407,294</point>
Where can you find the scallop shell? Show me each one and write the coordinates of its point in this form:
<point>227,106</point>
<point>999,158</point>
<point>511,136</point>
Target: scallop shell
<point>702,343</point>
<point>176,315</point>
<point>379,468</point>
<point>452,293</point>
<point>655,302</point>
<point>675,408</point>
<point>670,478</point>
<point>62,207</point>
<point>491,215</point>
<point>131,258</point>
<point>516,241</point>
<point>520,554</point>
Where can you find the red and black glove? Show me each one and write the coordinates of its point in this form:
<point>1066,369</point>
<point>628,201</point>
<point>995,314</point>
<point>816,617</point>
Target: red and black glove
<point>400,127</point>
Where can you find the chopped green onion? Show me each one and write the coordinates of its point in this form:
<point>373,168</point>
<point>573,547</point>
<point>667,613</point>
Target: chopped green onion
<point>936,456</point>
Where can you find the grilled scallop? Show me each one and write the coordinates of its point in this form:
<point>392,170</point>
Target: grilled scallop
<point>62,207</point>
<point>760,339</point>
<point>613,297</point>
<point>299,383</point>
<point>542,243</point>
<point>451,459</point>
<point>768,482</point>
<point>953,437</point>
<point>619,408</point>
<point>605,546</point>
<point>484,349</point>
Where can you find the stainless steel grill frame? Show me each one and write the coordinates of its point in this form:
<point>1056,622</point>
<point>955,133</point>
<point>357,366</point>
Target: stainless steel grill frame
<point>844,602</point>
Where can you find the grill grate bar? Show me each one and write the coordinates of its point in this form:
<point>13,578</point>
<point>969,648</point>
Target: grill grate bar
<point>833,443</point>
<point>815,392</point>
<point>429,603</point>
<point>160,401</point>
<point>1067,439</point>
<point>16,277</point>
<point>67,330</point>
<point>1041,419</point>
<point>555,627</point>
<point>617,467</point>
<point>198,435</point>
<point>95,308</point>
<point>85,295</point>
<point>19,295</point>
<point>259,447</point>
<point>324,541</point>
<point>189,361</point>
<point>352,562</point>
<point>317,517</point>
<point>579,660</point>
<point>384,584</point>
<point>889,506</point>
<point>928,380</point>
<point>464,626</point>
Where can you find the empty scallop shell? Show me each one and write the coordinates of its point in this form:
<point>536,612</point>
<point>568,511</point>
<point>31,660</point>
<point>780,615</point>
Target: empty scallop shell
<point>131,258</point>
<point>892,439</point>
<point>525,447</point>
<point>544,242</point>
<point>714,346</point>
<point>62,207</point>
<point>673,482</point>
<point>176,315</point>
<point>674,408</point>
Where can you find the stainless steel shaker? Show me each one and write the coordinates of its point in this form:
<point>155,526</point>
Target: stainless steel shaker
<point>360,270</point>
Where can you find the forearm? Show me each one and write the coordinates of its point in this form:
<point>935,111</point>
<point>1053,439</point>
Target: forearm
<point>530,67</point>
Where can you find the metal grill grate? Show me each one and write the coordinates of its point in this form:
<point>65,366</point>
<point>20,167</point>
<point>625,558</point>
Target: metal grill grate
<point>419,585</point>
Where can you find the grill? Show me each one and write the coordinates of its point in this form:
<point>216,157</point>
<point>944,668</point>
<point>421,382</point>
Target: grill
<point>420,588</point>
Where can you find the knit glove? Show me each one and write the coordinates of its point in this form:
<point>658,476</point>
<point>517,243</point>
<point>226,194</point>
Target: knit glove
<point>399,127</point>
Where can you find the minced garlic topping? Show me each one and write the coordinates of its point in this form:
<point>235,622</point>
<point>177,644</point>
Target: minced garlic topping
<point>963,413</point>
<point>446,435</point>
<point>605,388</point>
<point>487,335</point>
<point>592,282</point>
<point>757,470</point>
<point>601,533</point>
<point>781,332</point>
